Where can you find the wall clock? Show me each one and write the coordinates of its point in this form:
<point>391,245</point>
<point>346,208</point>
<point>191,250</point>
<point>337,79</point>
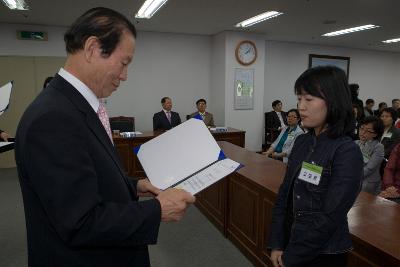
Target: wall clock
<point>246,52</point>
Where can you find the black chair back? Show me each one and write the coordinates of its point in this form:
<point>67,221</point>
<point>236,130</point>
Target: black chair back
<point>123,124</point>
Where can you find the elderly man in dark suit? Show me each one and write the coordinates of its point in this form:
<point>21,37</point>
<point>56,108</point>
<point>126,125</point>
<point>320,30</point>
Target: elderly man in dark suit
<point>207,117</point>
<point>80,207</point>
<point>166,119</point>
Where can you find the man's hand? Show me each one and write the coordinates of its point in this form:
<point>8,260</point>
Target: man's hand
<point>4,136</point>
<point>173,203</point>
<point>145,188</point>
<point>276,258</point>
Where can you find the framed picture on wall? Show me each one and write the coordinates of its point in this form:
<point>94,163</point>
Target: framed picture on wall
<point>324,60</point>
<point>244,89</point>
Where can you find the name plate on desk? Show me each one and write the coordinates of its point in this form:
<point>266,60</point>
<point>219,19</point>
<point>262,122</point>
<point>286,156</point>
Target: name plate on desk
<point>219,129</point>
<point>129,134</point>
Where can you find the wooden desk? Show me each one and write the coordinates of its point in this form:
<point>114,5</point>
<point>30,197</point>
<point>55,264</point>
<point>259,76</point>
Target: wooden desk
<point>131,163</point>
<point>240,206</point>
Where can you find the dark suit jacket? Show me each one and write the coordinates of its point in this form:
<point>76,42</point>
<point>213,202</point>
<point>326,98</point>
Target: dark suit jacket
<point>272,120</point>
<point>80,208</point>
<point>161,122</point>
<point>390,143</point>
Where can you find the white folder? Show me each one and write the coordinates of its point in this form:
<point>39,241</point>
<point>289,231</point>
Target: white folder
<point>5,94</point>
<point>187,157</point>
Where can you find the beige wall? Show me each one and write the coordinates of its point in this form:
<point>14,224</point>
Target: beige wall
<point>28,74</point>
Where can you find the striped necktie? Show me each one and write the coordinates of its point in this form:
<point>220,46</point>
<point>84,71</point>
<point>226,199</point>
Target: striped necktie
<point>102,114</point>
<point>169,116</point>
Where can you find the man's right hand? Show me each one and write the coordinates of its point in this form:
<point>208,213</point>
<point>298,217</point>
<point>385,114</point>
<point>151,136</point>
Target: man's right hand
<point>173,203</point>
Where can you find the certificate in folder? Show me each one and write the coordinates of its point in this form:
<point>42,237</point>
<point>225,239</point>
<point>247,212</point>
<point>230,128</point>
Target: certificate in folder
<point>185,157</point>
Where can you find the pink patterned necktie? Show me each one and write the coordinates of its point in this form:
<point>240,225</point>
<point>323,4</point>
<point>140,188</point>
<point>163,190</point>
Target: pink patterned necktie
<point>169,116</point>
<point>102,114</point>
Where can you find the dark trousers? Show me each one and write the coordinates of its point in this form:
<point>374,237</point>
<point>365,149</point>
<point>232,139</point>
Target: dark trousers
<point>329,260</point>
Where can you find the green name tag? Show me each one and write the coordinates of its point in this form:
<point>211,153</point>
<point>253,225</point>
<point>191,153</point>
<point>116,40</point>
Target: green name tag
<point>310,173</point>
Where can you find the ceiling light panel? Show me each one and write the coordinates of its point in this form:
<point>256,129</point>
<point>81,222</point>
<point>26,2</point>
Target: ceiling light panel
<point>391,41</point>
<point>259,18</point>
<point>149,8</point>
<point>350,30</point>
<point>16,4</point>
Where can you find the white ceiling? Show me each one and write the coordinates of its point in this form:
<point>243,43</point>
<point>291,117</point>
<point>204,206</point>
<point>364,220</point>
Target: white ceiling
<point>304,21</point>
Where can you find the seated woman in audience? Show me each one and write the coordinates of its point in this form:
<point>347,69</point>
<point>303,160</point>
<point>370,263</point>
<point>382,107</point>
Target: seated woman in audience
<point>370,131</point>
<point>391,135</point>
<point>280,149</point>
<point>391,177</point>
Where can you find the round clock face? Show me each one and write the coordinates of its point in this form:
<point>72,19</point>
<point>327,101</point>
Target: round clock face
<point>246,52</point>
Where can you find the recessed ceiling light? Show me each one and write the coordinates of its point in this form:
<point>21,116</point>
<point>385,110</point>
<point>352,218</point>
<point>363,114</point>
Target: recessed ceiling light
<point>391,41</point>
<point>350,30</point>
<point>149,8</point>
<point>259,18</point>
<point>16,4</point>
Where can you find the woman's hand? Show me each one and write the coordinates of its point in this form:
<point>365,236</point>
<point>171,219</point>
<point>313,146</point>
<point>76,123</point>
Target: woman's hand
<point>268,152</point>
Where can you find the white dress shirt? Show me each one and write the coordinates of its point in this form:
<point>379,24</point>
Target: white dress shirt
<point>82,89</point>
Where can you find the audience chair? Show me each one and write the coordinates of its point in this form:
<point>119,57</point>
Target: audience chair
<point>123,124</point>
<point>270,133</point>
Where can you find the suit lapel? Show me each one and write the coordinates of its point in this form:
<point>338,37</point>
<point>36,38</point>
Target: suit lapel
<point>92,119</point>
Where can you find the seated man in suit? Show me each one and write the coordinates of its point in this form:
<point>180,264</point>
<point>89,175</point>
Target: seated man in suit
<point>4,136</point>
<point>275,120</point>
<point>166,119</point>
<point>207,117</point>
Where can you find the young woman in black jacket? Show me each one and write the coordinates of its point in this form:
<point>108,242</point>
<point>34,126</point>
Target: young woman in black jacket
<point>323,178</point>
